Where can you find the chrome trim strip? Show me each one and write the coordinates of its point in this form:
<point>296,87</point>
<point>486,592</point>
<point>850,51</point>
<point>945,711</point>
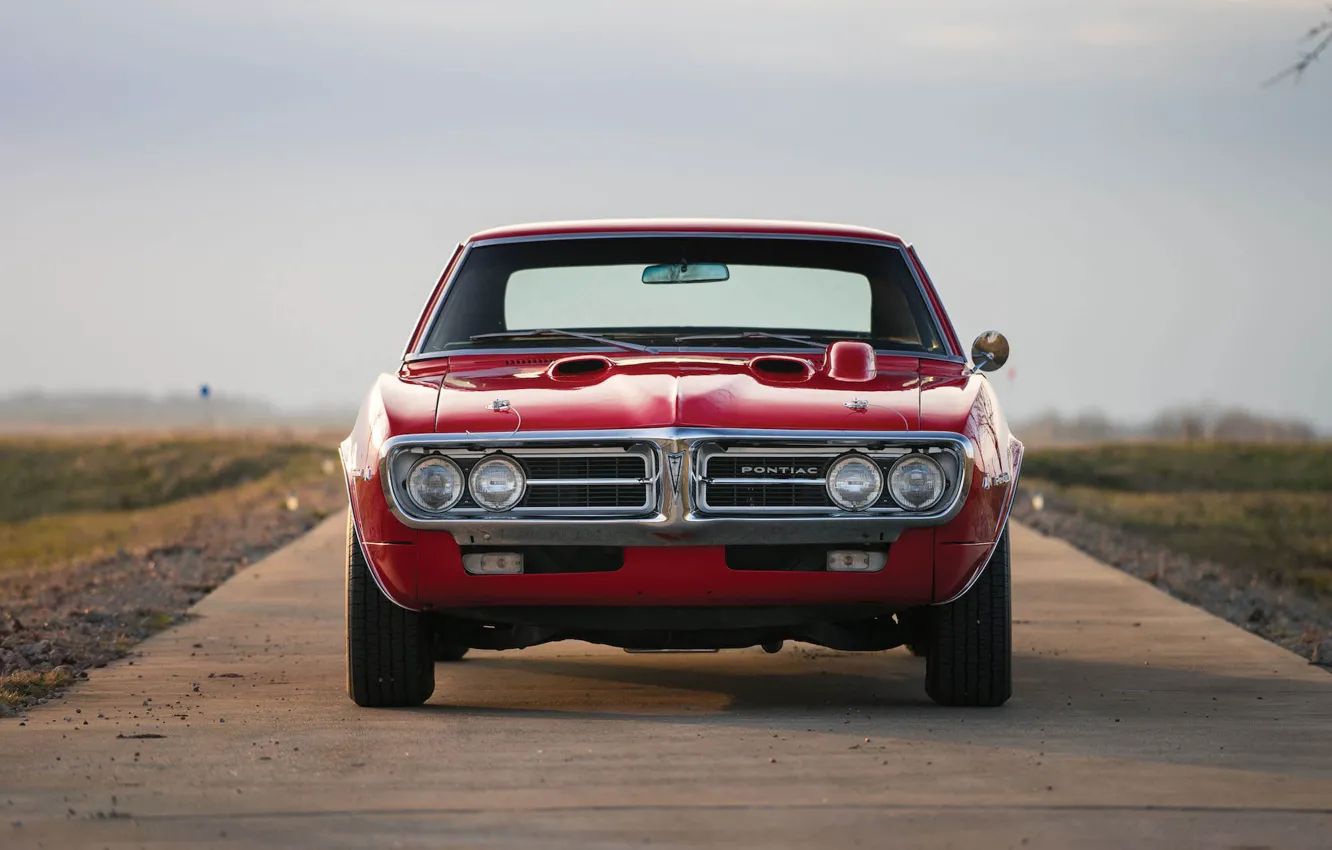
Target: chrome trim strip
<point>590,482</point>
<point>820,451</point>
<point>942,313</point>
<point>536,451</point>
<point>896,245</point>
<point>672,517</point>
<point>673,234</point>
<point>822,482</point>
<point>474,512</point>
<point>1008,507</point>
<point>443,292</point>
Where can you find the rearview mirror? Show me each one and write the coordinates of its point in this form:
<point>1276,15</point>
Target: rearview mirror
<point>686,273</point>
<point>989,352</point>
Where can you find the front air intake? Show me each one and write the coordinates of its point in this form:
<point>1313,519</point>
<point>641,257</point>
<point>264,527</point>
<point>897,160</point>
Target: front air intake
<point>777,368</point>
<point>580,367</point>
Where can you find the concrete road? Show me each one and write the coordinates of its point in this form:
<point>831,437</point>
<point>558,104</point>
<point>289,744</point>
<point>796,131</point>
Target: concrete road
<point>1137,722</point>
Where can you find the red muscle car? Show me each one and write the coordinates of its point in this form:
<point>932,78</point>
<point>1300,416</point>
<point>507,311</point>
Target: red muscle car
<point>682,435</point>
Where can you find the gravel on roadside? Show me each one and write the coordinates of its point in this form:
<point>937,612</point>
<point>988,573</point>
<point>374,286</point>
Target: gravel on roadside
<point>78,617</point>
<point>1282,615</point>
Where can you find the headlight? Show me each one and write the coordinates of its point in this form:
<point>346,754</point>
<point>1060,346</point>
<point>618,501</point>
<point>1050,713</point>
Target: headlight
<point>854,482</point>
<point>435,484</point>
<point>497,483</point>
<point>916,482</point>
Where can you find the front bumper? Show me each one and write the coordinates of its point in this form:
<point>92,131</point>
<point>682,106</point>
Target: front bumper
<point>675,516</point>
<point>429,575</point>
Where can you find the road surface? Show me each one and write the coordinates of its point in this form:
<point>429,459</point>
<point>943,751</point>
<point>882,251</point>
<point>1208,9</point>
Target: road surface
<point>1137,721</point>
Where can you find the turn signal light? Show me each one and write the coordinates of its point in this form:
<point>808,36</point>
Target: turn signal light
<point>856,561</point>
<point>493,563</point>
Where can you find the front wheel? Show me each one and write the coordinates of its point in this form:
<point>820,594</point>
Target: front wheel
<point>969,641</point>
<point>390,652</point>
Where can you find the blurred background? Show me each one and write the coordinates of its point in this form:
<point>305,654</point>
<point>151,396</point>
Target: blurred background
<point>218,222</point>
<point>258,196</point>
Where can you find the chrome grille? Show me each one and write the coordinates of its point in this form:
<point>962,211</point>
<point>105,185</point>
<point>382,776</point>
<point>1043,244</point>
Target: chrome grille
<point>688,485</point>
<point>584,496</point>
<point>735,478</point>
<point>777,495</point>
<point>585,481</point>
<point>614,481</point>
<point>595,466</point>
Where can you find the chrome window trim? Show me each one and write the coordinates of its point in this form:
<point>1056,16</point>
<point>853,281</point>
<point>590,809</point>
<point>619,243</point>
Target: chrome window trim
<point>460,250</point>
<point>895,245</point>
<point>673,517</point>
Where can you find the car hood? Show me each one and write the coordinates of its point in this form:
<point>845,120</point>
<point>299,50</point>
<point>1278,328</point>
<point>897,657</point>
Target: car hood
<point>604,393</point>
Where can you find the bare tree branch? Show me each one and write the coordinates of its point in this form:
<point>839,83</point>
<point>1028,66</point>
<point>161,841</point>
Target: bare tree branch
<point>1320,36</point>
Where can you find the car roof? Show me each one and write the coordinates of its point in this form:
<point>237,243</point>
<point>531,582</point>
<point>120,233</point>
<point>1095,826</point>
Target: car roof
<point>743,227</point>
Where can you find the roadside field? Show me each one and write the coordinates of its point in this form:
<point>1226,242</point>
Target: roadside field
<point>106,540</point>
<point>73,498</point>
<point>1262,509</point>
<point>1173,467</point>
<point>1244,530</point>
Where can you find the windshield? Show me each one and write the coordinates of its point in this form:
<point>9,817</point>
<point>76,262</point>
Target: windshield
<point>821,289</point>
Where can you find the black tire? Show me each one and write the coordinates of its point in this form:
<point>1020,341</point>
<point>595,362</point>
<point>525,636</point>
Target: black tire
<point>445,651</point>
<point>969,642</point>
<point>390,657</point>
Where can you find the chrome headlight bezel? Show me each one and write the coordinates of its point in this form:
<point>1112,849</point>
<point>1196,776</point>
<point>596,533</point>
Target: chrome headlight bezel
<point>935,468</point>
<point>513,498</point>
<point>875,473</point>
<point>438,462</point>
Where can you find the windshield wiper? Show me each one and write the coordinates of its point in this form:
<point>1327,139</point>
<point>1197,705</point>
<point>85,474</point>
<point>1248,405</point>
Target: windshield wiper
<point>628,346</point>
<point>803,340</point>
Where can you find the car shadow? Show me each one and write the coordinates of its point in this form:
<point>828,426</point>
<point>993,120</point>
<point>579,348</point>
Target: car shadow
<point>1060,705</point>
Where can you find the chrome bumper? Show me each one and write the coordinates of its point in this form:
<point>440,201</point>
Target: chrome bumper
<point>674,518</point>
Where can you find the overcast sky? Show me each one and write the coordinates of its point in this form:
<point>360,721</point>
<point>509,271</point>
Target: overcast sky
<point>260,194</point>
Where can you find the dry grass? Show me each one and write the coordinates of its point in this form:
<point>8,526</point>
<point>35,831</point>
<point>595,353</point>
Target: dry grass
<point>40,476</point>
<point>66,500</point>
<point>1187,466</point>
<point>1264,509</point>
<point>20,689</point>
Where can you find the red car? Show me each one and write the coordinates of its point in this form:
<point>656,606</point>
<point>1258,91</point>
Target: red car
<point>682,435</point>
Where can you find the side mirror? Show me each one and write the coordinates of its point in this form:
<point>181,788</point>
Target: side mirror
<point>989,352</point>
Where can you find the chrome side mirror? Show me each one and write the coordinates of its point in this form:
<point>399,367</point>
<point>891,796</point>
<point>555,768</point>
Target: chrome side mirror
<point>989,352</point>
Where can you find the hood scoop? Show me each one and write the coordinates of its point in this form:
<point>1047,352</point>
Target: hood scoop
<point>778,368</point>
<point>580,368</point>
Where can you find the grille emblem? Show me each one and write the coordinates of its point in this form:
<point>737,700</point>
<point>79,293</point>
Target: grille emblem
<point>779,470</point>
<point>674,460</point>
